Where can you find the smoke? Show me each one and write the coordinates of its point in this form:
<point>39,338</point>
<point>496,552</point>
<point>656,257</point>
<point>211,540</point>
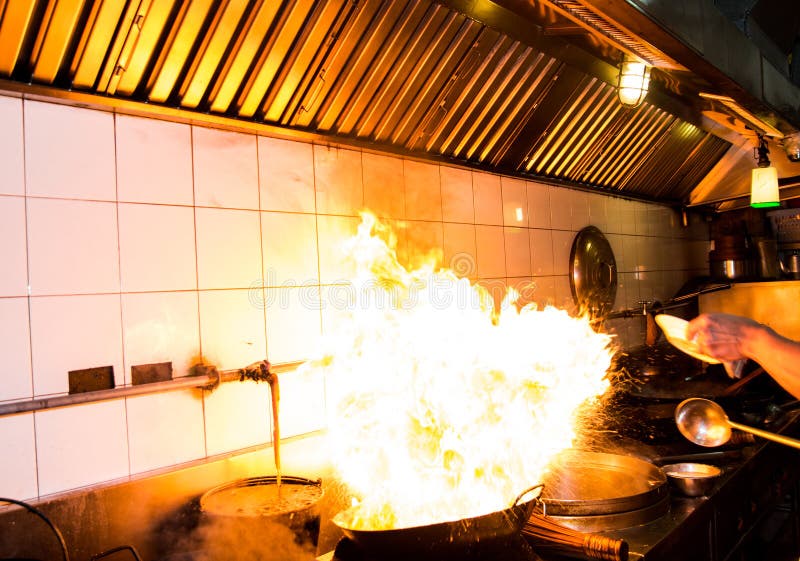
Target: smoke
<point>218,538</point>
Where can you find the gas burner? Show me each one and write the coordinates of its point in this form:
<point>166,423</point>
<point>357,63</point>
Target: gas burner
<point>512,549</point>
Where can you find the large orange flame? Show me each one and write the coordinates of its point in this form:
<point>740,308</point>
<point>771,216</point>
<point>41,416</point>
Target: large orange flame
<point>441,408</point>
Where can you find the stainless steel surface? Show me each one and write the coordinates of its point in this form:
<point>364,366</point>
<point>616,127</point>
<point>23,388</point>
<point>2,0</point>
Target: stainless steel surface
<point>692,479</point>
<point>789,260</point>
<point>494,88</point>
<point>594,483</point>
<point>705,423</point>
<point>733,269</point>
<point>614,520</point>
<point>208,380</point>
<point>593,272</point>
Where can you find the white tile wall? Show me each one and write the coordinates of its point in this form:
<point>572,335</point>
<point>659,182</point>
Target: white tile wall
<point>384,188</point>
<point>73,333</point>
<point>156,247</point>
<point>12,161</point>
<point>228,248</point>
<point>154,161</point>
<point>18,479</point>
<point>78,446</point>
<point>177,417</point>
<point>15,348</point>
<point>69,152</point>
<point>286,175</point>
<point>161,327</point>
<point>14,280</point>
<point>147,241</point>
<point>72,247</point>
<point>225,169</point>
<point>488,197</point>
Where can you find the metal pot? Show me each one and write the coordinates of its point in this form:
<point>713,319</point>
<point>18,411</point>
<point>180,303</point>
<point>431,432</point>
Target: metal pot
<point>434,539</point>
<point>790,264</point>
<point>733,269</point>
<point>255,501</point>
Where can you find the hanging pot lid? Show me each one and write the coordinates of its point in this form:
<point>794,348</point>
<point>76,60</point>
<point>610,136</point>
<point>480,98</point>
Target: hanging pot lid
<point>593,272</point>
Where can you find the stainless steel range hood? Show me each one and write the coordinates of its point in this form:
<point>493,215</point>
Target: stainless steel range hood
<point>521,87</point>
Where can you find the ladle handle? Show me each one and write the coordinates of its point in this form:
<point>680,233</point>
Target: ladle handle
<point>767,435</point>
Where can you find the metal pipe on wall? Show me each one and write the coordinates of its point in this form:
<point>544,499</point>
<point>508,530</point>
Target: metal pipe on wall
<point>207,378</point>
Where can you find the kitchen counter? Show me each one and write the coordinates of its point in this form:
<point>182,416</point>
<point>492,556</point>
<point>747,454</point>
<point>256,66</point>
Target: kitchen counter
<point>755,496</point>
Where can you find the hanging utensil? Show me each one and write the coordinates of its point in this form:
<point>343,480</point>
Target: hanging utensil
<point>705,423</point>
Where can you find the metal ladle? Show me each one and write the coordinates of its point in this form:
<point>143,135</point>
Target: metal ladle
<point>705,423</point>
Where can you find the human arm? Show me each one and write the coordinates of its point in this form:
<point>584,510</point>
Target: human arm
<point>729,338</point>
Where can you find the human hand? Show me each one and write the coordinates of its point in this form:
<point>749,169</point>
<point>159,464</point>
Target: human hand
<point>722,336</point>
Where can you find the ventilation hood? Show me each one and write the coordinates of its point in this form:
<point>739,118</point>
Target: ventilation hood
<point>521,87</point>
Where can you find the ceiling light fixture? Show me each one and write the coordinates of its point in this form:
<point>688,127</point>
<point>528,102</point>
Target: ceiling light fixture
<point>764,192</point>
<point>632,82</point>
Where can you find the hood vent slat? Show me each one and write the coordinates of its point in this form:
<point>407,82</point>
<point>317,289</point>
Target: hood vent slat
<point>410,76</point>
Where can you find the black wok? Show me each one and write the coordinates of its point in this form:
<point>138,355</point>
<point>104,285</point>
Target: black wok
<point>435,539</point>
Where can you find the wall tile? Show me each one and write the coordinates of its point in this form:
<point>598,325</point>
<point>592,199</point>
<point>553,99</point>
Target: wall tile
<point>286,175</point>
<point>334,231</point>
<point>157,247</point>
<point>11,150</point>
<point>488,198</point>
<point>424,244</point>
<point>598,212</point>
<point>618,249</point>
<point>642,219</point>
<point>237,415</point>
<point>490,246</point>
<point>293,323</point>
<point>562,247</point>
<point>338,180</point>
<point>67,257</point>
<point>613,206</point>
<point>15,348</point>
<point>13,252</point>
<point>460,253</point>
<point>580,210</point>
<point>495,289</point>
<point>232,331</point>
<point>544,291</point>
<point>154,161</point>
<point>228,248</point>
<point>69,152</point>
<point>561,208</point>
<point>225,169</point>
<point>515,202</point>
<point>73,333</point>
<point>563,296</point>
<point>538,205</point>
<point>518,252</point>
<point>457,199</point>
<point>626,216</point>
<point>161,327</point>
<point>302,405</point>
<point>289,245</point>
<point>541,244</point>
<point>18,468</point>
<point>337,307</point>
<point>79,446</point>
<point>176,417</point>
<point>630,248</point>
<point>384,192</point>
<point>525,287</point>
<point>422,191</point>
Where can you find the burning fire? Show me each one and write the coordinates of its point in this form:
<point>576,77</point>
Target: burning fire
<point>441,408</point>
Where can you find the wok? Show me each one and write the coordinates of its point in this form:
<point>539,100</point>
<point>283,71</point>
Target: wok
<point>435,539</point>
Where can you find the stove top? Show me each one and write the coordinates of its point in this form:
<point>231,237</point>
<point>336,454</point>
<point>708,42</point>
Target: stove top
<point>512,549</point>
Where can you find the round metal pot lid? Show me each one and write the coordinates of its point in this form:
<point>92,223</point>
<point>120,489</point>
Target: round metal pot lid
<point>593,483</point>
<point>593,272</point>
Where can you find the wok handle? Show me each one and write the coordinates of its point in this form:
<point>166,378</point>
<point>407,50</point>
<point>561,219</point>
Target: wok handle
<point>517,501</point>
